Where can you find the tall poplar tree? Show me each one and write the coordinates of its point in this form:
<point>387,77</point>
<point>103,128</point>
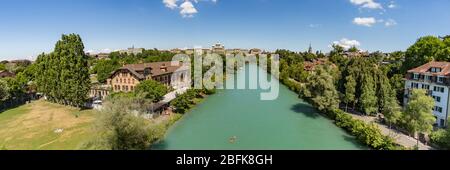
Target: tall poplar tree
<point>64,74</point>
<point>350,90</point>
<point>368,96</point>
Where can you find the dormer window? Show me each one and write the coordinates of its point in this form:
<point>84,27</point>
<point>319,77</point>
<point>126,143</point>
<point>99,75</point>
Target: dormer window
<point>435,70</point>
<point>416,76</point>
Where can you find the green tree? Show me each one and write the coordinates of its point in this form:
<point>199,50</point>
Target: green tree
<point>350,90</point>
<point>104,68</point>
<point>117,128</point>
<point>321,90</point>
<point>418,114</point>
<point>425,49</point>
<point>384,92</point>
<point>368,96</point>
<point>2,67</point>
<point>64,73</point>
<point>353,49</point>
<point>152,90</point>
<point>392,111</point>
<point>4,91</point>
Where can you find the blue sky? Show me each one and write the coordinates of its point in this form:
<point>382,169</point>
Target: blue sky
<point>30,27</point>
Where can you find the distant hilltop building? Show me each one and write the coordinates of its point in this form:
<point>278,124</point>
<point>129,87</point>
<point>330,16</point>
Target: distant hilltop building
<point>255,51</point>
<point>99,56</point>
<point>132,50</point>
<point>218,48</point>
<point>349,54</point>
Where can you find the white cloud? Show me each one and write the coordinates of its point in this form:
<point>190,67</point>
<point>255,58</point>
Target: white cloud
<point>368,22</point>
<point>371,4</point>
<point>188,9</point>
<point>390,23</point>
<point>346,43</point>
<point>392,5</point>
<point>172,4</point>
<point>99,51</point>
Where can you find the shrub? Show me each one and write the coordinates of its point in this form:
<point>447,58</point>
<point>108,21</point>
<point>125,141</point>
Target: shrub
<point>368,134</point>
<point>441,138</point>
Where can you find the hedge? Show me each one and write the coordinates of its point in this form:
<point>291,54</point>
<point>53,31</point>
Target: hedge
<point>368,134</point>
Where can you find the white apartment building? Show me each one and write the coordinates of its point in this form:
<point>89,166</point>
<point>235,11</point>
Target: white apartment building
<point>435,78</point>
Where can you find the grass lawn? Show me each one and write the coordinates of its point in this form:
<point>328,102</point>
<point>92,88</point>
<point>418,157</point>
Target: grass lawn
<point>32,127</point>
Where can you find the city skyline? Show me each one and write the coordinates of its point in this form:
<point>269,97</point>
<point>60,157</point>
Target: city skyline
<point>30,28</point>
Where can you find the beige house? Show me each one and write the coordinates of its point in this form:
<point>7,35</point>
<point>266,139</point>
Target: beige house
<point>128,77</point>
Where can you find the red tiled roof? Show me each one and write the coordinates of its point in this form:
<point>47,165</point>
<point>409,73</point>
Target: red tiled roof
<point>156,68</point>
<point>444,66</point>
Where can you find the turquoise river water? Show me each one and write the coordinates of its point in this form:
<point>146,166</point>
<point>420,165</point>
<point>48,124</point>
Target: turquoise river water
<point>238,119</point>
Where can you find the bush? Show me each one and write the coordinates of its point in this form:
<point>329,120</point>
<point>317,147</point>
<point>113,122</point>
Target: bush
<point>185,101</point>
<point>441,138</point>
<point>368,134</point>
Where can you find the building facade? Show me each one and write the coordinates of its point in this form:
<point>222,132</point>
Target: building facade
<point>218,49</point>
<point>434,77</point>
<point>132,50</point>
<point>128,77</point>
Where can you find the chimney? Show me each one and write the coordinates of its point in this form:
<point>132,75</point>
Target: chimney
<point>163,68</point>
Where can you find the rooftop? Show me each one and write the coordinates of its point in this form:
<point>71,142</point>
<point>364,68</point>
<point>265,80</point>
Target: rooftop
<point>156,68</point>
<point>427,68</point>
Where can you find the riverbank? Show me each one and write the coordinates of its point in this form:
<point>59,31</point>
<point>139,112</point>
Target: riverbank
<point>165,122</point>
<point>377,139</point>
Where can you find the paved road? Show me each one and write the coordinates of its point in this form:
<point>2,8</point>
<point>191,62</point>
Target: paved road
<point>399,137</point>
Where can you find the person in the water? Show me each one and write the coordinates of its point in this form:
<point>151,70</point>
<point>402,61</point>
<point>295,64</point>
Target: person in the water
<point>233,139</point>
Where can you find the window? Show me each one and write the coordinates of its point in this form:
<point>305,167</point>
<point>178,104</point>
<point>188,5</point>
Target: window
<point>428,78</point>
<point>440,79</point>
<point>436,70</point>
<point>437,109</point>
<point>415,85</point>
<point>425,86</point>
<point>437,98</point>
<point>416,76</point>
<point>438,89</point>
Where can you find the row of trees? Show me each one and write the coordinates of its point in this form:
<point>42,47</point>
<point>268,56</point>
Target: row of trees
<point>63,75</point>
<point>19,89</point>
<point>103,68</point>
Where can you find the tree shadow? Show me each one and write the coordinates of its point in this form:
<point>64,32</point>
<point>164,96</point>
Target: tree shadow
<point>354,140</point>
<point>306,110</point>
<point>161,145</point>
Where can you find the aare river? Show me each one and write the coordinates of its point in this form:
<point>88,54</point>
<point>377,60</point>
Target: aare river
<point>238,119</point>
